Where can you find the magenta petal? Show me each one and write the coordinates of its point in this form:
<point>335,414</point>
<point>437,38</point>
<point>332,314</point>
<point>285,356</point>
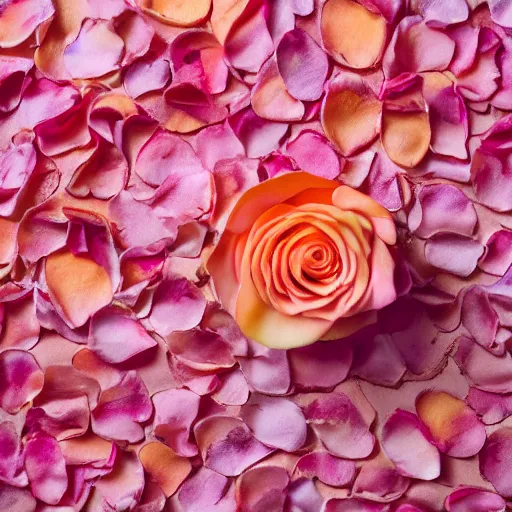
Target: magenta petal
<point>313,153</point>
<point>498,255</point>
<point>328,469</point>
<point>116,337</point>
<point>276,422</point>
<point>320,365</point>
<point>380,482</point>
<point>175,411</point>
<point>487,371</point>
<point>405,443</point>
<point>340,426</point>
<point>178,305</point>
<point>479,317</point>
<point>354,505</point>
<point>455,254</point>
<point>227,445</point>
<point>442,209</point>
<point>11,456</point>
<point>495,460</point>
<point>96,51</point>
<point>476,500</point>
<point>21,379</point>
<point>46,469</point>
<point>491,407</point>
<point>14,498</point>
<point>302,64</point>
<point>121,409</point>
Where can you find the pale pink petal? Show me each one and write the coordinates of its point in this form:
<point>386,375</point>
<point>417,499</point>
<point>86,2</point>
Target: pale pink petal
<point>21,379</point>
<point>267,372</point>
<point>442,208</point>
<point>339,425</point>
<point>14,498</point>
<point>18,19</point>
<point>495,460</point>
<point>122,488</point>
<point>270,98</point>
<point>227,445</point>
<point>116,337</point>
<point>263,488</point>
<point>46,469</point>
<point>476,500</point>
<point>96,51</point>
<point>437,15</point>
<point>455,254</point>
<point>415,47</point>
<point>178,305</point>
<point>501,12</point>
<point>276,422</point>
<point>121,409</point>
<point>302,64</point>
<point>323,364</point>
<point>136,34</point>
<point>487,371</point>
<point>314,154</point>
<point>303,494</point>
<point>175,411</point>
<point>146,74</point>
<point>257,135</point>
<point>328,469</point>
<point>353,505</point>
<point>406,444</point>
<point>233,389</point>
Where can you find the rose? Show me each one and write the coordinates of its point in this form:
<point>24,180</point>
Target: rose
<point>304,258</point>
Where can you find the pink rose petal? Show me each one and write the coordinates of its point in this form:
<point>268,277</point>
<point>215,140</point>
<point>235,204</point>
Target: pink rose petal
<point>21,379</point>
<point>14,498</point>
<point>263,488</point>
<point>353,505</point>
<point>406,444</point>
<point>276,422</point>
<point>227,445</point>
<point>498,254</point>
<point>491,407</point>
<point>46,469</point>
<point>175,411</point>
<point>302,64</point>
<point>328,469</point>
<point>477,500</point>
<point>233,389</point>
<point>495,459</point>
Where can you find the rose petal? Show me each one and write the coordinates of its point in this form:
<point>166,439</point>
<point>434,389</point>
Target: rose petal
<point>46,469</point>
<point>350,113</point>
<point>14,498</point>
<point>276,422</point>
<point>495,458</point>
<point>453,426</point>
<point>263,488</point>
<point>227,445</point>
<point>498,255</point>
<point>491,407</point>
<point>164,466</point>
<point>233,389</point>
<point>302,64</point>
<point>353,504</point>
<point>182,15</point>
<point>406,445</point>
<point>328,469</point>
<point>352,34</point>
<point>116,337</point>
<point>477,500</point>
<point>175,411</point>
<point>21,379</point>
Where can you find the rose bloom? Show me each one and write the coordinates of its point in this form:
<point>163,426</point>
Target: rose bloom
<point>303,258</point>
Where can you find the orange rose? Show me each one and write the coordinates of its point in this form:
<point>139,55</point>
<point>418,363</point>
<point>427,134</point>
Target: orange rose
<point>303,258</point>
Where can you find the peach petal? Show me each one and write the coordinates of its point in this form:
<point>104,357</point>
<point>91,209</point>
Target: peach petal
<point>86,449</point>
<point>21,379</point>
<point>270,98</point>
<point>18,19</point>
<point>406,444</point>
<point>66,273</point>
<point>185,14</point>
<point>405,136</point>
<point>352,34</point>
<point>164,466</point>
<point>350,113</point>
<point>454,426</point>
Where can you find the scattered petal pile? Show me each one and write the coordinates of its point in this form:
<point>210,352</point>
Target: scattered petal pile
<point>129,130</point>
